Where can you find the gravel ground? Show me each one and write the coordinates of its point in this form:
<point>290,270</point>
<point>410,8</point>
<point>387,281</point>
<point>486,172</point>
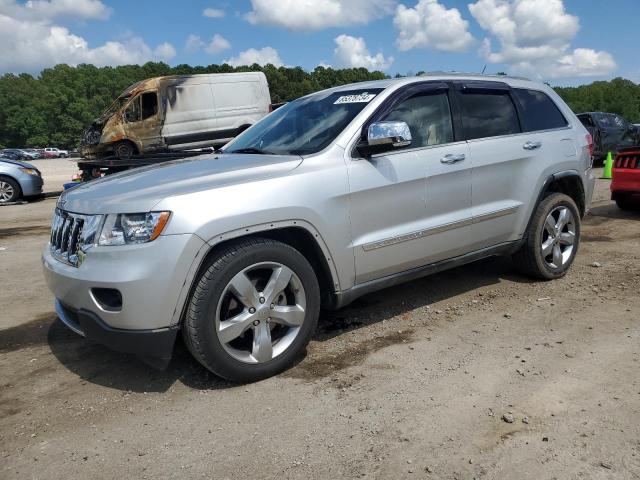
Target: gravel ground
<point>472,373</point>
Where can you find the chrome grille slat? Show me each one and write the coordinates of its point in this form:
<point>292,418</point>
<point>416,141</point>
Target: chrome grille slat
<point>66,232</point>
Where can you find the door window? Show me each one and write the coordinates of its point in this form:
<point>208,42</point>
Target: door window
<point>132,113</point>
<point>428,117</point>
<point>488,114</point>
<point>539,111</point>
<point>149,104</point>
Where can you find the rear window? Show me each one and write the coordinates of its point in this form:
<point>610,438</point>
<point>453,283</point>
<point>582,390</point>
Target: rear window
<point>539,111</point>
<point>488,114</point>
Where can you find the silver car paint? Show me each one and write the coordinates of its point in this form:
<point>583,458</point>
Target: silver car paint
<point>29,184</point>
<point>371,218</point>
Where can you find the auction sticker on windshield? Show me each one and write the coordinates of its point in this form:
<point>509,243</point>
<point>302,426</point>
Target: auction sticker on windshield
<point>364,97</point>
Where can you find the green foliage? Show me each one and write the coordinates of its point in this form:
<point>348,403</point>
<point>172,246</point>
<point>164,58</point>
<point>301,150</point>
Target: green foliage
<point>56,107</point>
<point>619,96</point>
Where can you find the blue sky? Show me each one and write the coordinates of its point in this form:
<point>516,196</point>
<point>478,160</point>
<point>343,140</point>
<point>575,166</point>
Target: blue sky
<point>561,41</point>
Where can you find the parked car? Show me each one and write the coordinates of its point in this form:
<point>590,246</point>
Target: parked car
<point>178,112</point>
<point>14,153</point>
<point>332,196</point>
<point>625,182</point>
<point>32,153</point>
<point>52,152</point>
<point>610,132</point>
<point>18,179</point>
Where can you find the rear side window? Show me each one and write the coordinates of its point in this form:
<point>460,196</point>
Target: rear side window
<point>488,114</point>
<point>539,111</point>
<point>428,117</point>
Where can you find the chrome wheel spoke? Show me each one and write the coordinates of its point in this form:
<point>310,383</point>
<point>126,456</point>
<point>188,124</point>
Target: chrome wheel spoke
<point>550,225</point>
<point>547,247</point>
<point>291,316</point>
<point>262,349</point>
<point>557,256</point>
<point>280,278</point>
<point>234,327</point>
<point>563,218</point>
<point>244,290</point>
<point>567,238</point>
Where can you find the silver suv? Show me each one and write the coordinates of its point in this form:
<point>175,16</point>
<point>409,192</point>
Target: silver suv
<point>330,197</point>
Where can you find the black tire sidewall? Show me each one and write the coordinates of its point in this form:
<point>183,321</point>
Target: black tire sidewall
<point>127,150</point>
<point>214,355</point>
<point>544,208</point>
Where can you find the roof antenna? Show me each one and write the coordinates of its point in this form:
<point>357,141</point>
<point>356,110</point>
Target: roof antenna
<point>485,67</point>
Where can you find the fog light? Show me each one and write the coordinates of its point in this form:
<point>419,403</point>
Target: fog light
<point>108,299</point>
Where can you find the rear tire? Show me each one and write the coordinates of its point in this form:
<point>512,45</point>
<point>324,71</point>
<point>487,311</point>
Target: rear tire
<point>551,243</point>
<point>625,203</point>
<point>124,149</point>
<point>9,190</point>
<point>253,310</point>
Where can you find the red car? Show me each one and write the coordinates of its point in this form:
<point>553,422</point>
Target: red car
<point>625,185</point>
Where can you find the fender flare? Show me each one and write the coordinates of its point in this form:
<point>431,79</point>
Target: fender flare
<point>545,185</point>
<point>211,243</point>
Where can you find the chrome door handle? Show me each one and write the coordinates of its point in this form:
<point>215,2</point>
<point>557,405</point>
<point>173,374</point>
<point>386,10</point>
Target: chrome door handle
<point>451,158</point>
<point>532,145</point>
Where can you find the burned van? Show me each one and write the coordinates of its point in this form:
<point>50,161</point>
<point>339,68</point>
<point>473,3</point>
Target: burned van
<point>178,112</point>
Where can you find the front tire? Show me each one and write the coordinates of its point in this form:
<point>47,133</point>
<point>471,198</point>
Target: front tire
<point>625,203</point>
<point>9,190</point>
<point>551,243</point>
<point>124,149</point>
<point>253,311</point>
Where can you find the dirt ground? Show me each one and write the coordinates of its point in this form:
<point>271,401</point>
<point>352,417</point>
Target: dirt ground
<point>411,382</point>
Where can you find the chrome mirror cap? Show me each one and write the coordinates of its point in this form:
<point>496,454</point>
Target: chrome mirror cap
<point>394,134</point>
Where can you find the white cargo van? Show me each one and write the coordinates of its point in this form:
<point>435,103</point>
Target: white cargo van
<point>178,112</point>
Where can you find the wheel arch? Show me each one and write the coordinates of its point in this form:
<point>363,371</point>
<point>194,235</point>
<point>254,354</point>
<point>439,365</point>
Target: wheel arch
<point>568,182</point>
<point>298,234</point>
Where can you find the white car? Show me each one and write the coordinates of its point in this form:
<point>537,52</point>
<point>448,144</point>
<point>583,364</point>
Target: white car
<point>52,152</point>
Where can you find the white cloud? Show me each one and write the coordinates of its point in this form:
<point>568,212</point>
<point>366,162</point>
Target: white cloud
<point>30,45</point>
<point>353,52</point>
<point>49,9</point>
<point>165,51</point>
<point>217,44</point>
<point>261,57</point>
<point>213,13</point>
<point>317,14</point>
<point>535,39</point>
<point>431,25</point>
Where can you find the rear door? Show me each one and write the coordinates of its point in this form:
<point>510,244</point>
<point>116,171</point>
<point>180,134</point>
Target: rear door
<point>412,206</point>
<point>514,137</point>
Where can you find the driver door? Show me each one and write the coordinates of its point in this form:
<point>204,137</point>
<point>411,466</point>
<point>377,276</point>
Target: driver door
<point>142,119</point>
<point>412,206</point>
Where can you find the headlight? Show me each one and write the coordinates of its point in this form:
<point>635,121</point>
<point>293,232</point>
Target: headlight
<point>131,228</point>
<point>30,171</point>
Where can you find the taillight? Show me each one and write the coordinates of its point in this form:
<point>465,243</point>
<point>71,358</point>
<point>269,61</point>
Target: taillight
<point>590,143</point>
<point>270,108</point>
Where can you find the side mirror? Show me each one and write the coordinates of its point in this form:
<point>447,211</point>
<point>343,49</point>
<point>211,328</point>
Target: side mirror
<point>385,136</point>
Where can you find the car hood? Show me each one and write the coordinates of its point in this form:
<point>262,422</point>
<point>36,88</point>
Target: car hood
<point>139,190</point>
<point>16,162</point>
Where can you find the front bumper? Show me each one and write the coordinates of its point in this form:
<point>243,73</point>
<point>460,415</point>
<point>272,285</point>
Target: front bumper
<point>152,346</point>
<point>152,279</point>
<point>30,185</point>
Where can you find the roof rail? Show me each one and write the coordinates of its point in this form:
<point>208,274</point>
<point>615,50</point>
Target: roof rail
<point>465,74</point>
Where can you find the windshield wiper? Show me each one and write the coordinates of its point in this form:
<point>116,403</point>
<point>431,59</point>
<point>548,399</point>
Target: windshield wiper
<point>251,150</point>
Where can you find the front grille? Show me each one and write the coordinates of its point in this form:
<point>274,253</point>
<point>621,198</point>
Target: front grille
<point>627,160</point>
<point>66,232</point>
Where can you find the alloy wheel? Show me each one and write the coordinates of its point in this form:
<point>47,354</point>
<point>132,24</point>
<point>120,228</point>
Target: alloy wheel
<point>558,237</point>
<point>6,191</point>
<point>260,312</point>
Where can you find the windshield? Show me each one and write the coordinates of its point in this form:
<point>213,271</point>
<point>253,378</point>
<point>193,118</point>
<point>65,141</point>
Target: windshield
<point>304,126</point>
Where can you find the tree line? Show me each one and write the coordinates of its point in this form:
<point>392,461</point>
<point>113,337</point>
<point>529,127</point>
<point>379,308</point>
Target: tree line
<point>55,107</point>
